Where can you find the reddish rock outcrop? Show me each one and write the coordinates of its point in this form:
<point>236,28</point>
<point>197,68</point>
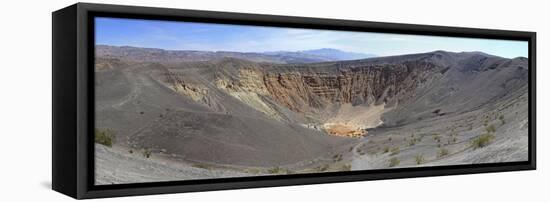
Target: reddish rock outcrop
<point>366,84</point>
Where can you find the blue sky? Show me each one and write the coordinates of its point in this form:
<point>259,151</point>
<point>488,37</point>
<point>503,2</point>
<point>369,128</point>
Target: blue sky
<point>219,37</point>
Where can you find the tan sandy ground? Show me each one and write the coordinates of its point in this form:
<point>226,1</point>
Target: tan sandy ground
<point>339,129</point>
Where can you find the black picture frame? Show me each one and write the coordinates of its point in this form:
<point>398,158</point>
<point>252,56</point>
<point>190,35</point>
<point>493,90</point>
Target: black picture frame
<point>73,93</point>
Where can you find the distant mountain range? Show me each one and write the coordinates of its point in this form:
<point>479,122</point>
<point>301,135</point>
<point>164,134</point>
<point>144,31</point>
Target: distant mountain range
<point>324,54</point>
<point>176,56</point>
<point>338,54</point>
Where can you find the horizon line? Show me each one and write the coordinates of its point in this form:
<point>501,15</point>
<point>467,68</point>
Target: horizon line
<point>299,51</point>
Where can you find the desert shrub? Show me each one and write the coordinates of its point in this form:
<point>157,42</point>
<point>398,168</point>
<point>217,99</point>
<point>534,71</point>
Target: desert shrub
<point>104,137</point>
<point>252,170</point>
<point>200,165</point>
<point>323,168</point>
<point>394,162</point>
<point>394,151</point>
<point>386,149</point>
<point>275,170</point>
<point>360,151</point>
<point>146,153</point>
<point>491,129</point>
<point>279,170</point>
<point>501,118</point>
<point>437,138</point>
<point>346,167</point>
<point>337,157</point>
<point>443,152</point>
<point>420,137</point>
<point>419,158</point>
<point>413,141</point>
<point>482,140</point>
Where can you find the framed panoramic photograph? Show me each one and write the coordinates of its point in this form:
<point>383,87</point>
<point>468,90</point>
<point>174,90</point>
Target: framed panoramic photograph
<point>153,100</point>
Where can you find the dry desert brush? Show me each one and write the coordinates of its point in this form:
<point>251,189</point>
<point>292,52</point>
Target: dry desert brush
<point>104,137</point>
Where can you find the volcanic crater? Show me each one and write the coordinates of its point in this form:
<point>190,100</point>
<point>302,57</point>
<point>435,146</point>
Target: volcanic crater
<point>235,116</point>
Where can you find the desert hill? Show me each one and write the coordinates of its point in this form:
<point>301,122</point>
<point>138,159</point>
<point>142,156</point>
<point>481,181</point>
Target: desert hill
<point>130,53</point>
